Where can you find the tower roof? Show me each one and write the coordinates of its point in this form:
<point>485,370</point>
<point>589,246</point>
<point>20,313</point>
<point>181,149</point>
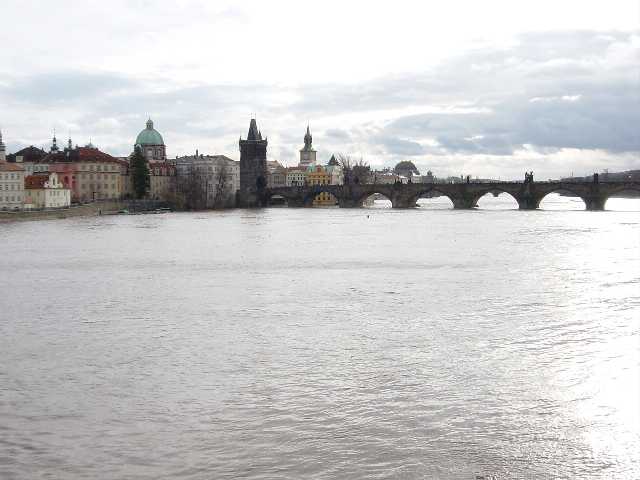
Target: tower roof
<point>149,136</point>
<point>308,140</point>
<point>254,134</point>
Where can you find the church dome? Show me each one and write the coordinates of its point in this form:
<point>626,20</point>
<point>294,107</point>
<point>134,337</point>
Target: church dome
<point>406,168</point>
<point>149,136</point>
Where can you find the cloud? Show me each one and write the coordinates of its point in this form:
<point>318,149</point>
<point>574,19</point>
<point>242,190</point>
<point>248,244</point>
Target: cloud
<point>544,97</point>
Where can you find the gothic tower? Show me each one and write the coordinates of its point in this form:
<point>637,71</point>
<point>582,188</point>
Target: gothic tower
<point>307,154</point>
<point>253,167</point>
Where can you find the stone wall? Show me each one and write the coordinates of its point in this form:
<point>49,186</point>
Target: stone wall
<point>85,210</point>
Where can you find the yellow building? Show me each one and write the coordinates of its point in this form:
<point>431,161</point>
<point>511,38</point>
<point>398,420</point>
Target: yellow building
<point>319,175</point>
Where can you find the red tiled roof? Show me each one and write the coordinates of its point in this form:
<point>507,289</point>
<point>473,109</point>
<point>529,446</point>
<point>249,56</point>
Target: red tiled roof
<point>35,181</point>
<point>11,167</point>
<point>81,155</point>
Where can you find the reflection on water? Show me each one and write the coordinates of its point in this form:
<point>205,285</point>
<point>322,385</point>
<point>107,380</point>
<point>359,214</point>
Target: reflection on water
<point>323,343</point>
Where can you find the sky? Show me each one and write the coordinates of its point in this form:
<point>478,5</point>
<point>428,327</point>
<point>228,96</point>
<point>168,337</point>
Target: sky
<point>489,89</point>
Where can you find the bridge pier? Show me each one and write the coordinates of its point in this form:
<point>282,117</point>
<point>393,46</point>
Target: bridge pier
<point>348,203</point>
<point>595,204</point>
<point>527,203</point>
<point>464,203</point>
<point>401,202</point>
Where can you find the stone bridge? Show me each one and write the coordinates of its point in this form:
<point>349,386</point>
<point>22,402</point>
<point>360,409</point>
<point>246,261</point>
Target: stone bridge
<point>462,195</point>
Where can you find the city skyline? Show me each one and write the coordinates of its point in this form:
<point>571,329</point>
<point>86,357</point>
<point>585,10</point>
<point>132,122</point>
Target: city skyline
<point>543,87</point>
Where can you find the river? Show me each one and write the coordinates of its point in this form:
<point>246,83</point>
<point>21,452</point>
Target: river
<point>323,343</point>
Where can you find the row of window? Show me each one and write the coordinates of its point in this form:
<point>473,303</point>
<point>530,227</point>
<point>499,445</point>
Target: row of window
<point>98,176</point>
<point>13,186</point>
<point>12,198</point>
<point>98,186</point>
<point>9,176</point>
<point>99,168</point>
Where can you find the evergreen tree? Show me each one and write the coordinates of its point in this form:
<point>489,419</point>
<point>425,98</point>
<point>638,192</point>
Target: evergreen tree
<point>139,173</point>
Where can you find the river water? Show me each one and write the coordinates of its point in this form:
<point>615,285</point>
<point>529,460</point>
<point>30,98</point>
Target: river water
<point>323,343</point>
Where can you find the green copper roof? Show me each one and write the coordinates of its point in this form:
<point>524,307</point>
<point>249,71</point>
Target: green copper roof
<point>149,136</point>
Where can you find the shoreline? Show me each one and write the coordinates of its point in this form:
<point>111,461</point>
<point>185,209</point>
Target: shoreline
<point>86,210</point>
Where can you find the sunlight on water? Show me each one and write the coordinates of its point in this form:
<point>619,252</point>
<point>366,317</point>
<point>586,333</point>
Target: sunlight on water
<point>555,201</point>
<point>623,204</point>
<point>503,201</point>
<point>437,203</point>
<point>323,343</point>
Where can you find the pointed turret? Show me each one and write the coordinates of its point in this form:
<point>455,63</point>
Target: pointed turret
<point>307,154</point>
<point>3,152</point>
<point>254,133</point>
<point>54,143</point>
<point>308,139</point>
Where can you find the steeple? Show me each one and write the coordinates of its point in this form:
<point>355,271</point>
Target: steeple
<point>3,152</point>
<point>254,134</point>
<point>69,144</point>
<point>308,139</point>
<point>54,143</point>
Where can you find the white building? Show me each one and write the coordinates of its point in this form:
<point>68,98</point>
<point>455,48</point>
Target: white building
<point>11,186</point>
<point>45,190</point>
<point>296,177</point>
<point>210,169</point>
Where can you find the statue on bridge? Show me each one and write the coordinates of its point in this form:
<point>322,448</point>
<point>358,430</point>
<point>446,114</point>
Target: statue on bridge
<point>528,177</point>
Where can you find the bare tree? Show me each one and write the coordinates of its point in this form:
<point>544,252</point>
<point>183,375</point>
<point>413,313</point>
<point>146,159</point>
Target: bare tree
<point>192,188</point>
<point>222,187</point>
<point>354,171</point>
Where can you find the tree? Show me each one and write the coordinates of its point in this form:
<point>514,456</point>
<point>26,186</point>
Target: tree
<point>354,171</point>
<point>139,173</point>
<point>221,196</point>
<point>192,188</point>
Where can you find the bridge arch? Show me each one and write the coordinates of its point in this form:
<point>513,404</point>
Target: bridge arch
<point>371,194</point>
<point>509,201</point>
<point>617,200</point>
<point>321,195</point>
<point>563,202</point>
<point>434,192</point>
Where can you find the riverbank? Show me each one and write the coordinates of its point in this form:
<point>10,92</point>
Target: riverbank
<point>84,210</point>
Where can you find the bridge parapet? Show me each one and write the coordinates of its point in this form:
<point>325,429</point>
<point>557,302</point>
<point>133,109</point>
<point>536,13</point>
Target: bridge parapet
<point>462,195</point>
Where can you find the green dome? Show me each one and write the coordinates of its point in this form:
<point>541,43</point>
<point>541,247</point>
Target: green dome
<point>149,136</point>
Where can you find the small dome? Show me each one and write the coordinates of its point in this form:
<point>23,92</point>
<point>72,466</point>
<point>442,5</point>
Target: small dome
<point>149,136</point>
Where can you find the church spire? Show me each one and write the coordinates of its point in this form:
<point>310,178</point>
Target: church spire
<point>3,153</point>
<point>308,139</point>
<point>54,143</point>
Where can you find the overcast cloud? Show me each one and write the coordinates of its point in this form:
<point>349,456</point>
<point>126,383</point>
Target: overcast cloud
<point>548,89</point>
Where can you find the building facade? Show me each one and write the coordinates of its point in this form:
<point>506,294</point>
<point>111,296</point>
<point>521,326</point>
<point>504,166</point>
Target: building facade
<point>11,186</point>
<point>296,177</point>
<point>276,174</point>
<point>319,175</point>
<point>88,173</point>
<point>216,178</point>
<point>45,190</point>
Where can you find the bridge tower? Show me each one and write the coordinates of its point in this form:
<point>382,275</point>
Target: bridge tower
<point>253,167</point>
